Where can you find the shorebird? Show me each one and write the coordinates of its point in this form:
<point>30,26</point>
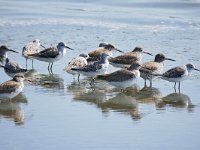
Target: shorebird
<point>153,67</point>
<point>123,78</point>
<point>31,48</point>
<point>78,62</point>
<point>12,88</point>
<point>103,48</point>
<point>3,53</point>
<point>96,68</point>
<point>13,68</point>
<point>128,58</point>
<point>178,74</point>
<point>51,54</point>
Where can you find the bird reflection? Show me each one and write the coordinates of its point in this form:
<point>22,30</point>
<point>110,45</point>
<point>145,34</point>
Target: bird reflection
<point>123,103</point>
<point>48,81</point>
<point>77,88</point>
<point>12,110</point>
<point>150,95</point>
<point>31,73</point>
<point>178,100</point>
<point>108,101</point>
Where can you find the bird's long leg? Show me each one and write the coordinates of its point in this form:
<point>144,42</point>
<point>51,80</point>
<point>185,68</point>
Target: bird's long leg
<point>49,66</point>
<point>26,63</point>
<point>79,77</point>
<point>151,83</point>
<point>32,64</point>
<point>92,81</point>
<point>175,85</point>
<point>122,90</point>
<point>145,83</point>
<point>179,86</point>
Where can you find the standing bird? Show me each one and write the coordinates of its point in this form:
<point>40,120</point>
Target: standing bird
<point>123,78</point>
<point>12,88</point>
<point>78,62</point>
<point>128,58</point>
<point>31,48</point>
<point>153,67</point>
<point>3,53</point>
<point>103,48</point>
<point>96,68</point>
<point>51,54</point>
<point>178,74</point>
<point>13,68</point>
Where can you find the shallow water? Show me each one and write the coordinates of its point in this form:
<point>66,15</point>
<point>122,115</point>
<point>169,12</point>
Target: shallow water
<point>55,111</point>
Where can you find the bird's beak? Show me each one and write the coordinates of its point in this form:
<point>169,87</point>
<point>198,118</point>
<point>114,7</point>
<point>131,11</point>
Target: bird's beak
<point>147,53</point>
<point>4,67</point>
<point>12,51</point>
<point>118,50</point>
<point>28,80</point>
<point>196,69</point>
<point>170,59</point>
<point>146,68</point>
<point>42,46</point>
<point>69,48</point>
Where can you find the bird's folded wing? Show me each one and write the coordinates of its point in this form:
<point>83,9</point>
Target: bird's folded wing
<point>123,59</point>
<point>47,53</point>
<point>174,73</point>
<point>8,87</point>
<point>121,75</point>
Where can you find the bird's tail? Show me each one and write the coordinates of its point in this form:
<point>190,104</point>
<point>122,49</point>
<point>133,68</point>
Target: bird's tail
<point>101,77</point>
<point>4,67</point>
<point>157,74</point>
<point>75,69</point>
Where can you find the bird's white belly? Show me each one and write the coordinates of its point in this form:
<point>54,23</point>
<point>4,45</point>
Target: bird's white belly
<point>11,95</point>
<point>117,65</point>
<point>50,60</point>
<point>124,84</point>
<point>179,79</point>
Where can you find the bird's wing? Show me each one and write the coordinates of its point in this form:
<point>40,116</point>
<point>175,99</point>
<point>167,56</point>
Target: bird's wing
<point>124,59</point>
<point>97,52</point>
<point>51,52</point>
<point>14,67</point>
<point>145,71</point>
<point>174,72</point>
<point>8,86</point>
<point>89,68</point>
<point>120,75</point>
<point>78,62</point>
<point>30,47</point>
<point>151,66</point>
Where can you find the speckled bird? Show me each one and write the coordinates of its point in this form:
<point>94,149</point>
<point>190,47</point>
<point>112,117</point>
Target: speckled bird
<point>128,58</point>
<point>153,67</point>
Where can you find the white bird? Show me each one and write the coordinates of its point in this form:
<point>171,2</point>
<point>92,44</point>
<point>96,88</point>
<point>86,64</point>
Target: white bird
<point>3,53</point>
<point>12,88</point>
<point>178,74</point>
<point>31,48</point>
<point>97,68</point>
<point>51,54</point>
<point>78,62</point>
<point>13,68</point>
<point>123,78</point>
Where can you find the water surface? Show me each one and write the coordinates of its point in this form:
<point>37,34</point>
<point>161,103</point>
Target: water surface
<point>57,112</point>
